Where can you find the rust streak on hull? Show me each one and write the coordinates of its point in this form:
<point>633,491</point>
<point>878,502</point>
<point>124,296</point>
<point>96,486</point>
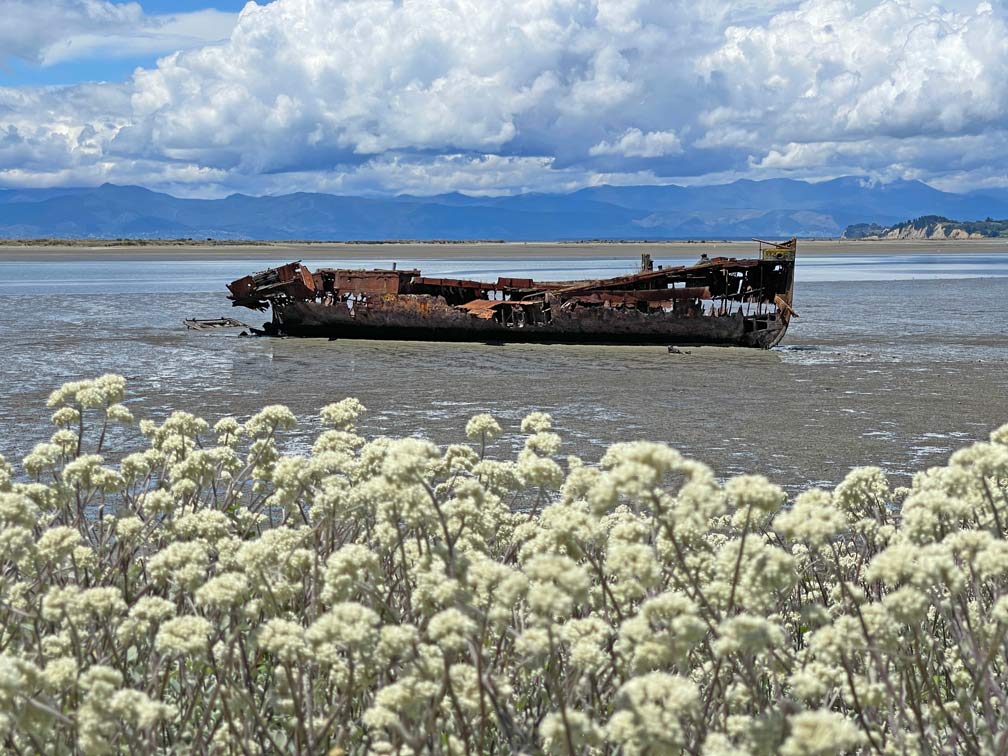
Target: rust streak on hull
<point>723,301</point>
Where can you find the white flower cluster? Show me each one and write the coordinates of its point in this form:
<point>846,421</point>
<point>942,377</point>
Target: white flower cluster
<point>212,595</point>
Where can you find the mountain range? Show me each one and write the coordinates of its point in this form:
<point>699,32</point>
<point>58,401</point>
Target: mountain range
<point>741,209</point>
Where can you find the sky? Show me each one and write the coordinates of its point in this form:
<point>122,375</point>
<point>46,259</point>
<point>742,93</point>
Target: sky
<point>204,98</point>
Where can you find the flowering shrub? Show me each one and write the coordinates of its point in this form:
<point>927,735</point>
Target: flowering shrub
<point>209,594</point>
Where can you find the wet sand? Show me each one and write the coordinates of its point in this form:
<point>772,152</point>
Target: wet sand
<point>475,250</point>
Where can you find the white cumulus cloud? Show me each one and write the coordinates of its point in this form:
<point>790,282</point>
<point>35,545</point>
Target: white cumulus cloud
<point>835,72</point>
<point>30,28</point>
<point>635,143</point>
<point>55,31</point>
<point>433,95</point>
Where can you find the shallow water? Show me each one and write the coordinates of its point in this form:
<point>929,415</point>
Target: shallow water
<point>895,360</point>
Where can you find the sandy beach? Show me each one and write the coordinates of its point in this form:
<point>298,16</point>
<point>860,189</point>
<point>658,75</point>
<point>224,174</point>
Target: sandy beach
<point>469,250</point>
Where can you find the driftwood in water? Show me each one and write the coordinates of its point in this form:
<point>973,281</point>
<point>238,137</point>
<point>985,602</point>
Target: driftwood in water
<point>205,324</point>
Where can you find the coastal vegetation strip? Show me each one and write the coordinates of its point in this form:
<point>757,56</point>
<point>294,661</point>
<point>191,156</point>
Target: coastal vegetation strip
<point>930,227</point>
<point>196,589</point>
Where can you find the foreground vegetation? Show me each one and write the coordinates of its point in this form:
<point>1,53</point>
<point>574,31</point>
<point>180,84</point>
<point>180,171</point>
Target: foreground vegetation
<point>208,594</point>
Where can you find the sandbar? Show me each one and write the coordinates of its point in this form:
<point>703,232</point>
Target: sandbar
<point>82,250</point>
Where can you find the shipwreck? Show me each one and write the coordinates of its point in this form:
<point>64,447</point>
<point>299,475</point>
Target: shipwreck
<point>718,301</point>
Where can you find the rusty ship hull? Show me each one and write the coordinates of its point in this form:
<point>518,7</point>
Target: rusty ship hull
<point>420,319</point>
<point>721,302</point>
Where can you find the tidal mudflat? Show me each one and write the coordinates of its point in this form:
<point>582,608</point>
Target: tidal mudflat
<point>476,251</point>
<point>898,357</point>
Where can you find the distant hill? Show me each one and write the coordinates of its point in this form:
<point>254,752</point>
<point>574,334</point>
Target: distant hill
<point>773,208</point>
<point>930,227</point>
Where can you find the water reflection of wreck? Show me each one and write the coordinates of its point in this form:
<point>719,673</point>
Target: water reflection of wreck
<point>720,301</point>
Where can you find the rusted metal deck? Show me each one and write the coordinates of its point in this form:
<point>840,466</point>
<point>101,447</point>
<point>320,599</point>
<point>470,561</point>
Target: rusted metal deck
<point>719,301</point>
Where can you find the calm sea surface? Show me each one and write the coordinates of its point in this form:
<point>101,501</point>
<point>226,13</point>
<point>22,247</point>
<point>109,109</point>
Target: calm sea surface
<point>895,360</point>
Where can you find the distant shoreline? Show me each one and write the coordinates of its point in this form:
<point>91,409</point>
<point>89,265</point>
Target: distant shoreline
<point>99,250</point>
<point>88,243</point>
